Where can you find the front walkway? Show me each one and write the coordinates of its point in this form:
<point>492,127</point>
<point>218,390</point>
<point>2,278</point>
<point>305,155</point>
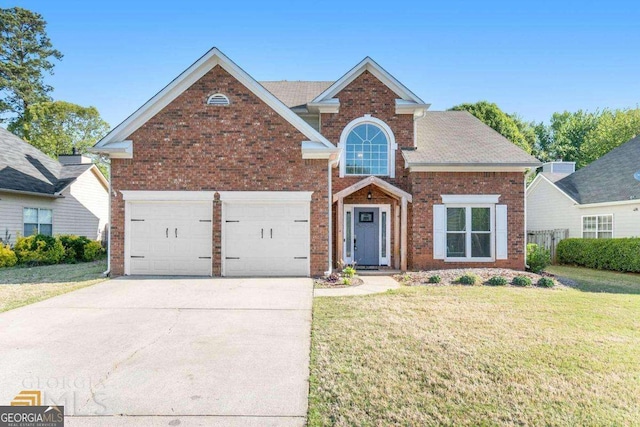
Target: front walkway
<point>165,351</point>
<point>371,285</point>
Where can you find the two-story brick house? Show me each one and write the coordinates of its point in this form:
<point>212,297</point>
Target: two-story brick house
<point>219,174</point>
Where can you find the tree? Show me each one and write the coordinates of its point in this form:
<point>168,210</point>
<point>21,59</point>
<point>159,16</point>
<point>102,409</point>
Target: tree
<point>613,129</point>
<point>567,132</point>
<point>25,56</point>
<point>59,127</point>
<point>508,126</point>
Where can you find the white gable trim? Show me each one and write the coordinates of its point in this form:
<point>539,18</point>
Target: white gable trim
<point>187,78</point>
<point>368,64</point>
<point>536,182</point>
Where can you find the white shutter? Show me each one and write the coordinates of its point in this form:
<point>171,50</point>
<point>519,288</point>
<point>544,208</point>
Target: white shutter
<point>439,235</point>
<point>501,232</point>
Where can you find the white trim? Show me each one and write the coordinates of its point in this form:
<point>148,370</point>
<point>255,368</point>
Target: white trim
<point>384,261</point>
<point>330,106</point>
<point>265,196</point>
<point>467,168</point>
<point>315,150</point>
<point>470,198</point>
<point>191,75</point>
<point>605,204</point>
<point>383,185</point>
<point>613,227</point>
<point>468,232</point>
<point>368,64</point>
<point>115,150</point>
<point>167,196</point>
<point>393,146</point>
<point>409,107</point>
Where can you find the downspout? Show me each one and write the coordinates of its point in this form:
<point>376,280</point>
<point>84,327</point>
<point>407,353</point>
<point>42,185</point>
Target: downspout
<point>331,164</point>
<point>526,178</point>
<point>108,271</point>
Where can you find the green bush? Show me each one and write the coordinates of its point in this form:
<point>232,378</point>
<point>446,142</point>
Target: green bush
<point>605,254</point>
<point>39,249</point>
<point>7,256</point>
<point>73,247</point>
<point>546,282</point>
<point>435,279</point>
<point>469,279</point>
<point>538,258</point>
<point>92,251</point>
<point>348,271</point>
<point>521,281</point>
<point>497,281</point>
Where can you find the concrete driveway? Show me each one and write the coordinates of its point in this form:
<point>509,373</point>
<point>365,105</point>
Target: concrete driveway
<point>159,351</point>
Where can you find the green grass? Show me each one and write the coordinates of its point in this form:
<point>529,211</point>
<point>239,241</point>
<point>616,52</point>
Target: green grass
<point>476,356</point>
<point>21,286</point>
<point>590,280</point>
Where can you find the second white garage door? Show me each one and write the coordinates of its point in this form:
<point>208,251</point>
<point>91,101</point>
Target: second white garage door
<point>266,239</point>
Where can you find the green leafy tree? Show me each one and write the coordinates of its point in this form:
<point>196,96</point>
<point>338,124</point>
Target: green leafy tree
<point>26,54</point>
<point>59,127</point>
<point>613,129</point>
<point>508,126</point>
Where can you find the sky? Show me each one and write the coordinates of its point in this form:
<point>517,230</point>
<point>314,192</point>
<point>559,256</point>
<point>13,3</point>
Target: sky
<point>531,58</point>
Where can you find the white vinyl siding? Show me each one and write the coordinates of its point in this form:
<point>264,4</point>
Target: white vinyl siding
<point>82,211</point>
<point>548,208</point>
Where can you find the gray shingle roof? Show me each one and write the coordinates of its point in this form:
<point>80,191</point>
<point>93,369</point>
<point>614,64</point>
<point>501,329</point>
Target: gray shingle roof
<point>554,176</point>
<point>25,168</point>
<point>608,179</point>
<point>459,138</point>
<point>295,93</point>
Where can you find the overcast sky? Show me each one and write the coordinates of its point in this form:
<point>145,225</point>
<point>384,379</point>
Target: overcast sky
<point>531,59</point>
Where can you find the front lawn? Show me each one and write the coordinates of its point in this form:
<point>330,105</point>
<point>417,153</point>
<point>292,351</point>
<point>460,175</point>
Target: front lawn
<point>21,285</point>
<point>458,355</point>
<point>590,280</point>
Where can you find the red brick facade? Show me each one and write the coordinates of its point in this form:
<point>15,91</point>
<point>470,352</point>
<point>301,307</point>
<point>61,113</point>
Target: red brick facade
<point>247,146</point>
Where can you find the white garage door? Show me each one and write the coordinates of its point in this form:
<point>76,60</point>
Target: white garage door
<point>170,238</point>
<point>266,239</point>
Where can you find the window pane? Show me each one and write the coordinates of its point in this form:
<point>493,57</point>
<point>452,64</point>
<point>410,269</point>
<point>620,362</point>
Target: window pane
<point>30,229</point>
<point>605,223</point>
<point>456,245</point>
<point>605,235</point>
<point>481,245</point>
<point>384,234</point>
<point>30,216</point>
<point>348,233</point>
<point>480,219</point>
<point>367,151</point>
<point>45,229</point>
<point>44,216</point>
<point>456,219</point>
<point>589,223</point>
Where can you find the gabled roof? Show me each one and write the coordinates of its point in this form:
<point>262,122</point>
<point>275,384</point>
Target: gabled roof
<point>198,69</point>
<point>296,94</point>
<point>457,138</point>
<point>25,169</point>
<point>608,179</point>
<point>368,64</point>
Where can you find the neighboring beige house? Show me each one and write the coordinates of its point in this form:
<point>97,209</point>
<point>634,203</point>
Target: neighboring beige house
<point>40,194</point>
<point>601,200</point>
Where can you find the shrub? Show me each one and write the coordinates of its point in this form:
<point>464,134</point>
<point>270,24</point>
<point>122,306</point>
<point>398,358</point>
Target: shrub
<point>346,281</point>
<point>470,279</point>
<point>73,247</point>
<point>7,256</point>
<point>435,279</point>
<point>497,281</point>
<point>39,249</point>
<point>546,282</point>
<point>92,251</point>
<point>605,254</point>
<point>521,281</point>
<point>348,271</point>
<point>538,258</point>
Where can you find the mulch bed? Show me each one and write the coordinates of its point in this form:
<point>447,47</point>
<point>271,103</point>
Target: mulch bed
<point>421,278</point>
<point>332,282</point>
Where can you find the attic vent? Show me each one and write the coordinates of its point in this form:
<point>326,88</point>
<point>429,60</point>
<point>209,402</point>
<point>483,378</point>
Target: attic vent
<point>218,99</point>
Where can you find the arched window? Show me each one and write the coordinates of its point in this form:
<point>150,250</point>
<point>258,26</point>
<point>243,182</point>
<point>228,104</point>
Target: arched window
<point>369,148</point>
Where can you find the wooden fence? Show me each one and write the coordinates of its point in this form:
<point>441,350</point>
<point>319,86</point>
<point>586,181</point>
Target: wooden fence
<point>548,239</point>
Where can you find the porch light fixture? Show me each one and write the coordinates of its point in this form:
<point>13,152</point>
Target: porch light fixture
<point>369,195</point>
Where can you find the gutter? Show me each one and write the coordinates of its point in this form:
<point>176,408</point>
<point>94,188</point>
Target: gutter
<point>34,193</point>
<point>331,164</point>
<point>107,272</point>
<point>526,178</point>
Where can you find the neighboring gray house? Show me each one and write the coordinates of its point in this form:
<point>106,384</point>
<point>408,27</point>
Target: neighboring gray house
<point>601,200</point>
<point>40,194</point>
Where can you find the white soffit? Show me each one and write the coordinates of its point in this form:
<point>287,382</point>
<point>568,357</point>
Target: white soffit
<point>191,75</point>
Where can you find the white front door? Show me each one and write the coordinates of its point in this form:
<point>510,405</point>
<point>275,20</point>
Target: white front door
<point>169,238</point>
<point>266,238</point>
